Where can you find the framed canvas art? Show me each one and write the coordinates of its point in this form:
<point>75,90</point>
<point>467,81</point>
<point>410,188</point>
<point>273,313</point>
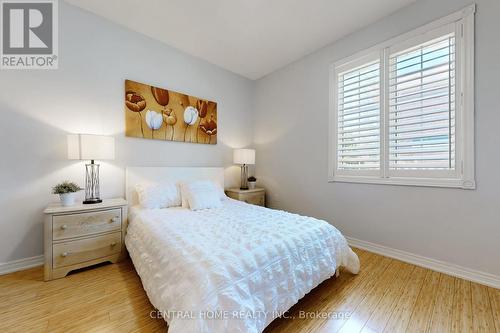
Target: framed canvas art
<point>161,114</point>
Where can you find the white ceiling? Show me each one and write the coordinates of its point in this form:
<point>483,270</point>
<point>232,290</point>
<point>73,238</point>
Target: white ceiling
<point>249,37</point>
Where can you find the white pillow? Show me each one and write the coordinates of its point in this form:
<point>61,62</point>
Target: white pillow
<point>161,195</point>
<point>202,194</point>
<point>218,189</point>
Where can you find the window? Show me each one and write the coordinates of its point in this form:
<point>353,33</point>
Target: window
<point>403,113</point>
<point>422,106</point>
<point>358,145</point>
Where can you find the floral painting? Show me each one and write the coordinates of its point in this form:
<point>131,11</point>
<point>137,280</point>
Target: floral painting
<point>161,114</point>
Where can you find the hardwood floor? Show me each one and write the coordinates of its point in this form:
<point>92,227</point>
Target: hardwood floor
<point>387,296</point>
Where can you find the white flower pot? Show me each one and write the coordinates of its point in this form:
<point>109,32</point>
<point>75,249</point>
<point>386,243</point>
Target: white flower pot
<point>67,199</point>
<point>251,185</point>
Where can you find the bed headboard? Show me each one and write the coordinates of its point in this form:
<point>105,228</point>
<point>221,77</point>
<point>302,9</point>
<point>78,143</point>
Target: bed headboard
<point>153,175</point>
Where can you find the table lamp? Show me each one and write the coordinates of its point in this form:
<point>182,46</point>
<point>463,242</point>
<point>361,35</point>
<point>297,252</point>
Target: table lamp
<point>91,147</point>
<point>244,157</point>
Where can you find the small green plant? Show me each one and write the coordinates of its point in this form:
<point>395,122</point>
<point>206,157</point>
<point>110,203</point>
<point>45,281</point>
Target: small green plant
<point>66,187</point>
<point>252,179</point>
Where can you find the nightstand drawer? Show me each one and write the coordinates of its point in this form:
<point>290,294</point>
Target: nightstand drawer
<point>84,224</point>
<point>72,252</point>
<point>254,198</point>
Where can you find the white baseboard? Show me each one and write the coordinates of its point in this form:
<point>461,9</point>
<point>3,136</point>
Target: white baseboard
<point>19,265</point>
<point>436,265</point>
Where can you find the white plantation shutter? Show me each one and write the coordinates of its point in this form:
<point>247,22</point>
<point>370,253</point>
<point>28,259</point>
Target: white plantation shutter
<point>422,106</point>
<point>358,118</point>
<point>402,112</point>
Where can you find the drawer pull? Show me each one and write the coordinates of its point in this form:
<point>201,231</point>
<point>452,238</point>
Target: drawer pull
<point>113,244</point>
<point>64,254</point>
<point>115,219</point>
<point>64,227</point>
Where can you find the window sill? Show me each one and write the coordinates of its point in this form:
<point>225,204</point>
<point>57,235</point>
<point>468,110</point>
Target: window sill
<point>427,182</point>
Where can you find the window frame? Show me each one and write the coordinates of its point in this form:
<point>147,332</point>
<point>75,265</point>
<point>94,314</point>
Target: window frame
<point>463,175</point>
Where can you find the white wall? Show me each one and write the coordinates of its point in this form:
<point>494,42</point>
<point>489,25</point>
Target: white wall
<point>291,130</point>
<point>38,108</point>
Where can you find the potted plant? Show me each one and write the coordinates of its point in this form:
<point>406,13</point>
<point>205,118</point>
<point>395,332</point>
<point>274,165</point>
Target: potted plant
<point>66,191</point>
<point>251,182</point>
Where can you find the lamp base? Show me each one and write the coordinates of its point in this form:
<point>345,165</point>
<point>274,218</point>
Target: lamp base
<point>92,201</point>
<point>244,176</point>
<point>92,195</point>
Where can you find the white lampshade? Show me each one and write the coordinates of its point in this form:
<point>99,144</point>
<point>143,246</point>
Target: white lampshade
<point>244,156</point>
<point>91,147</point>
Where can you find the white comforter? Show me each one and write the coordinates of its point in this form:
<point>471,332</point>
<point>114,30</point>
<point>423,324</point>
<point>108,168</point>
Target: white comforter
<point>231,269</point>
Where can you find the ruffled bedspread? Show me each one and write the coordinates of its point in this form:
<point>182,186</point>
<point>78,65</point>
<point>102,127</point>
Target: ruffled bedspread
<point>234,268</point>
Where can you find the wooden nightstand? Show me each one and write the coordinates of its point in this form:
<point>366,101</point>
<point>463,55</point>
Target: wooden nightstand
<point>83,235</point>
<point>255,196</point>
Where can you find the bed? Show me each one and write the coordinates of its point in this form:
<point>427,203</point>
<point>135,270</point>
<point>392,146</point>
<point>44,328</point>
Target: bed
<point>229,269</point>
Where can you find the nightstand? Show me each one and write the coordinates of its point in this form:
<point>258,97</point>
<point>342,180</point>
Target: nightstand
<point>255,196</point>
<point>83,235</point>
